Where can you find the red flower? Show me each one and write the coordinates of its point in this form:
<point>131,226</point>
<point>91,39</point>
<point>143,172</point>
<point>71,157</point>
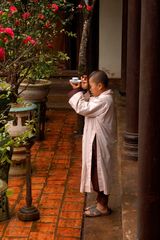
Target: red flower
<point>2,54</point>
<point>54,7</point>
<point>29,39</point>
<point>47,24</point>
<point>33,42</point>
<point>5,40</point>
<point>49,45</point>
<point>41,16</point>
<point>9,31</point>
<point>13,9</point>
<point>9,14</point>
<point>1,12</point>
<point>26,15</point>
<point>80,6</point>
<point>17,22</point>
<point>89,8</point>
<point>35,1</point>
<point>1,29</point>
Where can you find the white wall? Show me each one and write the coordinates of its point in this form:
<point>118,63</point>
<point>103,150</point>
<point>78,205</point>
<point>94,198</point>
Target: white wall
<point>110,37</point>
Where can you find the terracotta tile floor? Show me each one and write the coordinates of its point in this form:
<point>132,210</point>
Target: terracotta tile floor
<point>56,164</point>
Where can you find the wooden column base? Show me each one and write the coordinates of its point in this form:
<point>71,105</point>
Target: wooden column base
<point>28,214</point>
<point>131,146</point>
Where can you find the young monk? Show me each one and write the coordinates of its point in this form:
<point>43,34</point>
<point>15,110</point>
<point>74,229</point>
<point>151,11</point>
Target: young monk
<point>98,138</point>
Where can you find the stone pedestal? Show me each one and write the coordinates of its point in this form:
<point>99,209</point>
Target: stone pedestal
<point>131,145</point>
<point>18,164</point>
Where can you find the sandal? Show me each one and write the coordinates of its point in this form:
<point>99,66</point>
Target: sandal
<point>89,207</point>
<point>94,212</point>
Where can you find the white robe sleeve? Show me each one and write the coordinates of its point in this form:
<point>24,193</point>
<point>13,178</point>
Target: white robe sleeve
<point>92,108</point>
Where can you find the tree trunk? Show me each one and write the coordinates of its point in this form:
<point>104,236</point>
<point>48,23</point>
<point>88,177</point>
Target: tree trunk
<point>82,63</point>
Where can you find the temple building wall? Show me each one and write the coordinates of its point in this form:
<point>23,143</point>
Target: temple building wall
<point>110,37</point>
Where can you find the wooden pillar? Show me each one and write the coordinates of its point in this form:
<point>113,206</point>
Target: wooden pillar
<point>124,47</point>
<point>149,124</point>
<point>132,84</point>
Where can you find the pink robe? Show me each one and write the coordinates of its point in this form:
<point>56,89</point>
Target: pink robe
<point>99,121</point>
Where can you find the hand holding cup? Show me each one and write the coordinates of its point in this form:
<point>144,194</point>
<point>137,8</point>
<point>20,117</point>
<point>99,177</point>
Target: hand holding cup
<point>75,82</point>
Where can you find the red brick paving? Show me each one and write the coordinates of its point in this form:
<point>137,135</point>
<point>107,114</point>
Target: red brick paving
<point>56,164</point>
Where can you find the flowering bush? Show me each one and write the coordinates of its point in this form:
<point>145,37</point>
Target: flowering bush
<point>27,33</point>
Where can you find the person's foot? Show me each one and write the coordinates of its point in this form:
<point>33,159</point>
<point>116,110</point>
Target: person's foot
<point>95,212</point>
<point>89,207</point>
<point>101,208</point>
